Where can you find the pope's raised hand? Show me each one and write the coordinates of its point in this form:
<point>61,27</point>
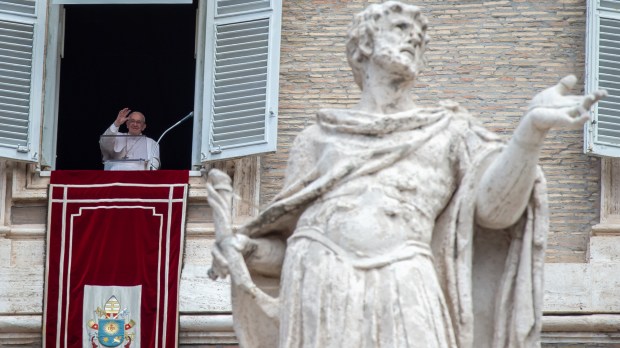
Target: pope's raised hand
<point>122,117</point>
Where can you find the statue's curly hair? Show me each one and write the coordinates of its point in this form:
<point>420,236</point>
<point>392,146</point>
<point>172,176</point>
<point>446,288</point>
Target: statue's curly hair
<point>365,25</point>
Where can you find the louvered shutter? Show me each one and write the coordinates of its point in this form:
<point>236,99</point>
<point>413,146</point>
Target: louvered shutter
<point>21,66</point>
<point>603,71</point>
<point>119,2</point>
<point>241,78</point>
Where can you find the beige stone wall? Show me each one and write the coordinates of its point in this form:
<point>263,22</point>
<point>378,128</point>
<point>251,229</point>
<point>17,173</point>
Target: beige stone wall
<point>490,56</point>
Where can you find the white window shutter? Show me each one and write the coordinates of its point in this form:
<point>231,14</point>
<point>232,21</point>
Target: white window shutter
<point>21,69</point>
<point>242,54</point>
<point>602,134</point>
<point>118,2</point>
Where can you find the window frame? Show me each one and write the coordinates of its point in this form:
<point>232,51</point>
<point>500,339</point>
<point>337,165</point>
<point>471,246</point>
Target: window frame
<point>594,14</point>
<point>272,13</point>
<point>47,120</point>
<point>609,223</point>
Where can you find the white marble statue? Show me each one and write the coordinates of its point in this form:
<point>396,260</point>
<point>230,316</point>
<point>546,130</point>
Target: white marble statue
<point>398,225</point>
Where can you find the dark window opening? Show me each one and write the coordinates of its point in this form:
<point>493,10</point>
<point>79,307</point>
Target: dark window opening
<point>116,56</point>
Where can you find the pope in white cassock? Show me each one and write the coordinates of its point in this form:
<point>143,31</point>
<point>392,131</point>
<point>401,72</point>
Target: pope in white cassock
<point>131,150</point>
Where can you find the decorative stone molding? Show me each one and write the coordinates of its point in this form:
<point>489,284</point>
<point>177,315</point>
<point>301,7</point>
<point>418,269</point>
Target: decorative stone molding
<point>582,323</point>
<point>21,330</point>
<point>582,330</point>
<point>588,329</point>
<point>28,184</point>
<point>31,184</point>
<point>25,231</point>
<point>198,330</point>
<point>26,330</point>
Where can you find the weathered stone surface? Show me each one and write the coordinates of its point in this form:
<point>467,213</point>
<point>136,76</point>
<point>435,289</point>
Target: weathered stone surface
<point>586,287</point>
<point>384,200</point>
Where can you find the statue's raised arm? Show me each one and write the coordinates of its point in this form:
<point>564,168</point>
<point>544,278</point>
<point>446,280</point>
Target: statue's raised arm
<point>506,184</point>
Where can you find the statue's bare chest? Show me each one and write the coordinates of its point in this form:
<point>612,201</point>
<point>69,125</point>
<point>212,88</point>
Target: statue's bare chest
<point>393,204</point>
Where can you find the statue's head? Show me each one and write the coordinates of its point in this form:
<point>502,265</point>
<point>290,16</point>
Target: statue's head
<point>391,35</point>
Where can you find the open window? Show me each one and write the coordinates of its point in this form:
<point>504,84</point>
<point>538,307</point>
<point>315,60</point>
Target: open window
<point>116,56</point>
<point>602,134</point>
<point>216,59</point>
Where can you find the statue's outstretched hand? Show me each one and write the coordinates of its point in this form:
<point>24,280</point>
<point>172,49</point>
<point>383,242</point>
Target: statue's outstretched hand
<point>505,188</point>
<point>555,108</point>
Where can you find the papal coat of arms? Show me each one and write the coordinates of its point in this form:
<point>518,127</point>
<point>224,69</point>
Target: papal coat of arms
<point>113,326</point>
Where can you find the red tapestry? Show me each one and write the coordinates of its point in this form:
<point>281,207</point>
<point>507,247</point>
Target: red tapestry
<point>114,248</point>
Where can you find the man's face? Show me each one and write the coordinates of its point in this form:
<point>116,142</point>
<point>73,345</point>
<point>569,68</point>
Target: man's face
<point>136,123</point>
<point>399,46</point>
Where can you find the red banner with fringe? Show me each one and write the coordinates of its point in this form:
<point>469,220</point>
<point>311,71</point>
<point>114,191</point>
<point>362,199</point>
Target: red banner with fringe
<point>113,265</point>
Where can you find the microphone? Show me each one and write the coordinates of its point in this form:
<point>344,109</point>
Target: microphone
<point>174,125</point>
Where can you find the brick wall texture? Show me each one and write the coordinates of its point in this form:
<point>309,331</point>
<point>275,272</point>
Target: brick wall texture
<point>490,56</point>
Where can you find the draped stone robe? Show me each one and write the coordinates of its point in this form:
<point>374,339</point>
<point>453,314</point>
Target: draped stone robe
<point>383,248</point>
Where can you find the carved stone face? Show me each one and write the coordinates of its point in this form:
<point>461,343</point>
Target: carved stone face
<point>399,45</point>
